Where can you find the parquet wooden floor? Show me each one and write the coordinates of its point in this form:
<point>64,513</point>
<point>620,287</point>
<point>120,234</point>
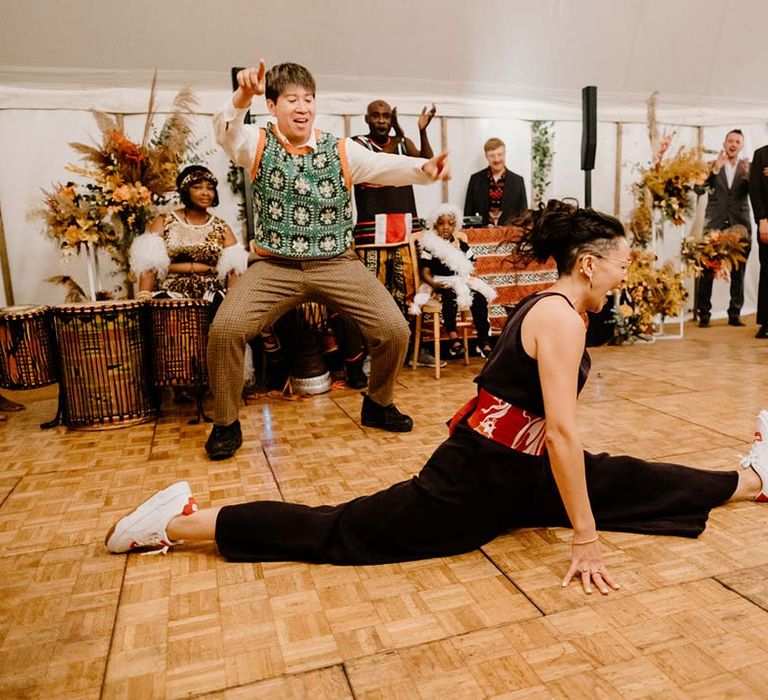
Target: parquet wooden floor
<point>689,622</point>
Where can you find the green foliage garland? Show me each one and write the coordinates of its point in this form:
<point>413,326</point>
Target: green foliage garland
<point>236,181</point>
<point>542,153</point>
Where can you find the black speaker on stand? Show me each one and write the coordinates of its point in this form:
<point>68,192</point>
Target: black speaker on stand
<point>588,138</point>
<point>600,329</point>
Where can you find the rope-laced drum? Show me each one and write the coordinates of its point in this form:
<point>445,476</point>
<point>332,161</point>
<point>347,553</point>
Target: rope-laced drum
<point>27,347</point>
<point>179,340</point>
<point>104,373</point>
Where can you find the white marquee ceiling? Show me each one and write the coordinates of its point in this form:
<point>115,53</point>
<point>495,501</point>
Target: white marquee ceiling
<point>700,54</point>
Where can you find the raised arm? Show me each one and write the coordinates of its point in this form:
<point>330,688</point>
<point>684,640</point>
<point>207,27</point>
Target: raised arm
<point>554,334</point>
<point>425,118</point>
<point>250,83</point>
<point>240,140</point>
<point>393,169</point>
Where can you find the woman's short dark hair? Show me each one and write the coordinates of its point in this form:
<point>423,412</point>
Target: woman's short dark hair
<point>562,230</point>
<point>191,175</point>
<point>282,75</point>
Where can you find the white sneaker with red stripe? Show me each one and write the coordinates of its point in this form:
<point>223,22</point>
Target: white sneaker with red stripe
<point>757,458</point>
<point>145,525</point>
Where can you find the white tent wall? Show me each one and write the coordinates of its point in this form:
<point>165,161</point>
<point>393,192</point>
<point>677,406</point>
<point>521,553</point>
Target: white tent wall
<point>34,153</point>
<point>34,143</point>
<point>567,178</point>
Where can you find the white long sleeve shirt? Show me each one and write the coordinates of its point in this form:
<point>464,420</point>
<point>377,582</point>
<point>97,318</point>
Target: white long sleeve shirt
<point>240,141</point>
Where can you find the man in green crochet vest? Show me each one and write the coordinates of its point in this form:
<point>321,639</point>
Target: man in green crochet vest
<point>302,182</point>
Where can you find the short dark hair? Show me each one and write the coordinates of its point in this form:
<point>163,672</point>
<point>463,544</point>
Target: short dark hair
<point>735,131</point>
<point>191,175</point>
<point>280,76</point>
<point>563,230</point>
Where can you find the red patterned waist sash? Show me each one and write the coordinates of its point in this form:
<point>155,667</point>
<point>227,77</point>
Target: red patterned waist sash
<point>502,422</point>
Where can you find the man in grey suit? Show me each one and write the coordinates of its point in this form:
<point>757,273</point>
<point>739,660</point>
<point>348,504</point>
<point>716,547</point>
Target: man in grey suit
<point>728,206</point>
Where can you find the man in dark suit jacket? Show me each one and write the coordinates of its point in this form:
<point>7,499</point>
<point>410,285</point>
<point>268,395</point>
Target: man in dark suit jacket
<point>728,206</point>
<point>497,194</point>
<point>758,194</point>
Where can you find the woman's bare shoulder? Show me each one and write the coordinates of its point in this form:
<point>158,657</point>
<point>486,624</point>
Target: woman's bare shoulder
<point>554,314</point>
<point>157,224</point>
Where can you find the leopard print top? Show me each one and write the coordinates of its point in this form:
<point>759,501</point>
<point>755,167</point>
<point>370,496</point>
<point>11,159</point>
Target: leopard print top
<point>201,243</point>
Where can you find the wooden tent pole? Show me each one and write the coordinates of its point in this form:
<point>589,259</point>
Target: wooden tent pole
<point>5,266</point>
<point>443,147</point>
<point>617,182</point>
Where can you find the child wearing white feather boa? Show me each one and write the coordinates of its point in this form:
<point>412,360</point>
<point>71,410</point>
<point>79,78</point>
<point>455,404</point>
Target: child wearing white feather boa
<point>446,267</point>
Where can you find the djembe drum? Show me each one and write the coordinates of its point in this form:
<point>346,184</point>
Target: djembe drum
<point>303,329</point>
<point>179,341</point>
<point>103,364</point>
<point>27,347</point>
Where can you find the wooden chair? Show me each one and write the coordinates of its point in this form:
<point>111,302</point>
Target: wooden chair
<point>434,307</point>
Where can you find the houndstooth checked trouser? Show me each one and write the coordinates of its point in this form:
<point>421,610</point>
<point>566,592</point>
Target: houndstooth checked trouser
<point>270,287</point>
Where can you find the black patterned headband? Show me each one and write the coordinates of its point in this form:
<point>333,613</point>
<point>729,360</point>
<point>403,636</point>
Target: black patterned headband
<point>198,176</point>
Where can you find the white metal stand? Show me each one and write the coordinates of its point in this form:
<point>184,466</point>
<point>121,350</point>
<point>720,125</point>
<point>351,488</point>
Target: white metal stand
<point>658,232</point>
<point>89,254</point>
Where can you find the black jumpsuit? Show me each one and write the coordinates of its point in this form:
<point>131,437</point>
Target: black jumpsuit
<point>472,489</point>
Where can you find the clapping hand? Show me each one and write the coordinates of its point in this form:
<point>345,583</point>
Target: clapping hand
<point>426,117</point>
<point>399,133</point>
<point>744,167</point>
<point>719,162</point>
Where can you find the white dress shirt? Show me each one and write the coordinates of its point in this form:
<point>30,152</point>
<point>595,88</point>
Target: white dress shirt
<point>240,141</point>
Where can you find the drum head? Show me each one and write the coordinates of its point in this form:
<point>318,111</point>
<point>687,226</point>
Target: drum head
<point>177,303</point>
<point>24,310</point>
<point>27,347</point>
<point>96,306</point>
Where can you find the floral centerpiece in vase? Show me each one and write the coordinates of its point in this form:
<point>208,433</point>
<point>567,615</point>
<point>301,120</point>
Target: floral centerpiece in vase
<point>122,184</point>
<point>668,185</point>
<point>647,292</point>
<point>665,192</point>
